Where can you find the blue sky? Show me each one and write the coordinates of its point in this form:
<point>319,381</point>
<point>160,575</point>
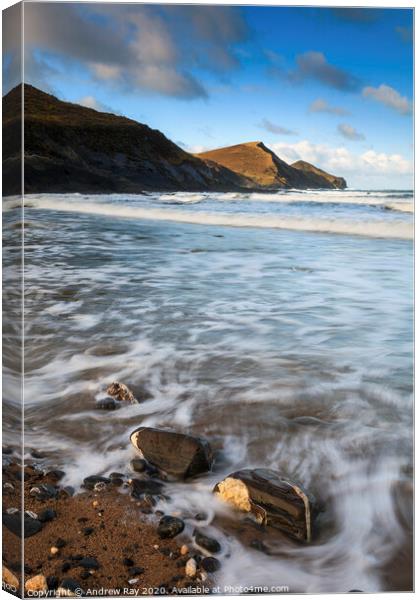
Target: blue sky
<point>332,86</point>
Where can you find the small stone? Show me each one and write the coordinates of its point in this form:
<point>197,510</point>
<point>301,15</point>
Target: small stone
<point>12,510</point>
<point>37,454</point>
<point>70,587</point>
<point>107,404</point>
<point>95,504</point>
<point>210,564</point>
<point>132,581</point>
<point>54,550</point>
<point>92,480</point>
<point>206,542</point>
<point>36,584</point>
<point>184,550</point>
<point>56,474</point>
<point>10,579</point>
<point>128,562</point>
<point>47,515</point>
<point>201,516</point>
<point>88,531</point>
<point>8,487</point>
<point>144,486</point>
<point>135,571</point>
<point>139,465</point>
<point>43,492</point>
<point>67,491</point>
<point>170,527</point>
<point>52,582</point>
<point>116,475</point>
<point>60,543</point>
<point>89,562</point>
<point>191,568</point>
<point>66,566</point>
<point>121,392</point>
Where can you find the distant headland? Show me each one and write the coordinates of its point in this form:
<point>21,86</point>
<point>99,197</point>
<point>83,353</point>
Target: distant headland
<point>71,148</point>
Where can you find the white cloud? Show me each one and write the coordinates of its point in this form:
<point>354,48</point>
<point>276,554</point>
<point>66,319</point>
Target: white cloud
<point>92,102</point>
<point>341,161</point>
<point>390,97</point>
<point>320,105</point>
<point>349,132</point>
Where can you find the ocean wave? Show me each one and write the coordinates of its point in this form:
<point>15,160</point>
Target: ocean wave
<point>375,229</point>
<point>407,207</point>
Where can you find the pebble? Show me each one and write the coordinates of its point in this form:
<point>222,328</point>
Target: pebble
<point>191,568</point>
<point>210,564</point>
<point>45,491</point>
<point>136,571</point>
<point>132,581</point>
<point>138,464</point>
<point>89,562</point>
<point>128,562</point>
<point>54,550</point>
<point>107,404</point>
<point>91,481</point>
<point>52,582</point>
<point>184,550</point>
<point>69,587</point>
<point>36,584</point>
<point>56,474</point>
<point>60,543</point>
<point>88,531</point>
<point>169,527</point>
<point>206,542</point>
<point>8,486</point>
<point>10,579</point>
<point>47,515</point>
<point>95,504</point>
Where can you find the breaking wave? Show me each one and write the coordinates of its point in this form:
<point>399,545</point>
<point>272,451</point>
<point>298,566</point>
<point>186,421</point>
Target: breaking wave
<point>377,229</point>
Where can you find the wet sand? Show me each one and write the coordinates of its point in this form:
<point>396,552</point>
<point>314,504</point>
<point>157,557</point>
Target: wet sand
<point>108,526</point>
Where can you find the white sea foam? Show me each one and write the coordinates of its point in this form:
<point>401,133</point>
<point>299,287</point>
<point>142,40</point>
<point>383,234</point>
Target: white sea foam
<point>375,229</point>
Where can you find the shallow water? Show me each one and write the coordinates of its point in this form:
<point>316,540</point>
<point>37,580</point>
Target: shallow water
<point>287,349</point>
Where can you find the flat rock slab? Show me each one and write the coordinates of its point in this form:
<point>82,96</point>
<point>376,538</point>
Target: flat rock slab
<point>174,453</point>
<point>272,499</point>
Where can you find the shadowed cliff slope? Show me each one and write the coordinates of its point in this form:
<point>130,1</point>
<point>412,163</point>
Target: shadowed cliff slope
<point>71,148</point>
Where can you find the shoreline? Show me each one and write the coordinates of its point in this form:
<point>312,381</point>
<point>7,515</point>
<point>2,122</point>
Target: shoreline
<point>94,540</point>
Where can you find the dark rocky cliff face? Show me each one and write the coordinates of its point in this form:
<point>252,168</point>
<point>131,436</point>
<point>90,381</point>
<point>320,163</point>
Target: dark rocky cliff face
<point>71,148</point>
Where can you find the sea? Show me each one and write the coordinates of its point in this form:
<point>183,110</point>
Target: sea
<point>279,326</point>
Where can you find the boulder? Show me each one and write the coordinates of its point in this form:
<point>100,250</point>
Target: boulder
<point>36,584</point>
<point>10,579</point>
<point>272,499</point>
<point>175,453</point>
<point>121,392</point>
<point>170,527</point>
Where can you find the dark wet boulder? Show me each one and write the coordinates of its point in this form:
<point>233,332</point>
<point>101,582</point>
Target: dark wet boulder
<point>140,487</point>
<point>169,527</point>
<point>91,481</point>
<point>272,499</point>
<point>177,454</point>
<point>13,522</point>
<point>206,542</point>
<point>43,492</point>
<point>209,564</point>
<point>107,404</point>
